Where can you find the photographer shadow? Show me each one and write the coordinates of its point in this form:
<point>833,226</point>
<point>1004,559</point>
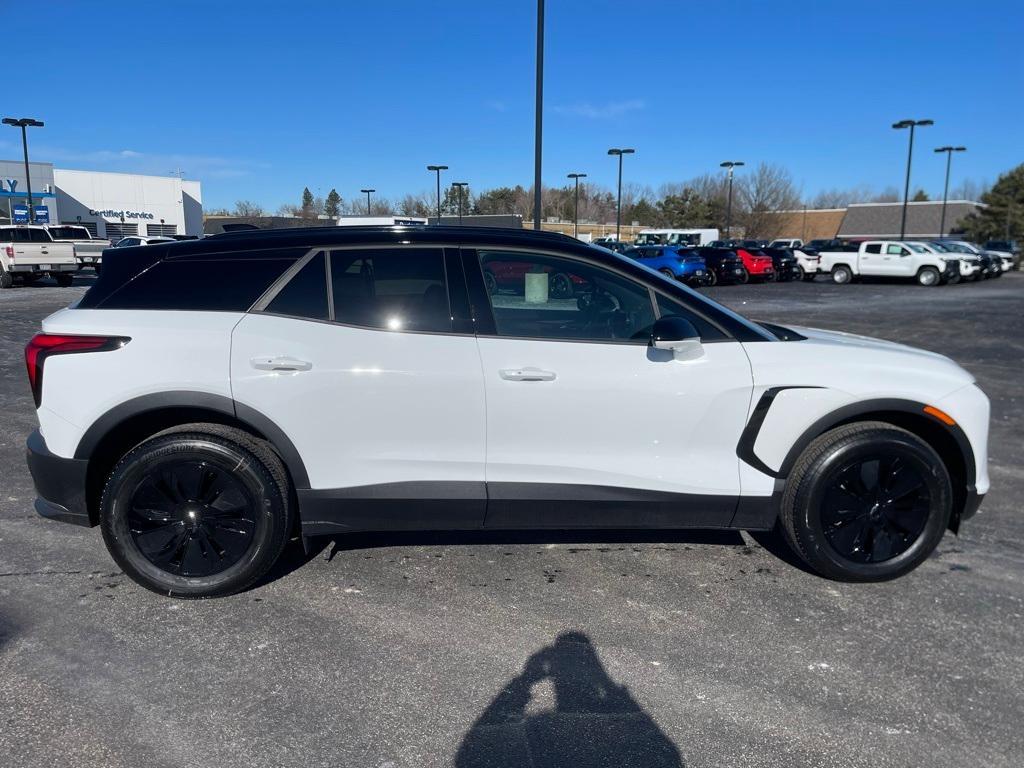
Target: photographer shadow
<point>585,720</point>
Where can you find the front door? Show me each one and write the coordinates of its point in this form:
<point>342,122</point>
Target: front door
<point>356,361</point>
<point>587,425</point>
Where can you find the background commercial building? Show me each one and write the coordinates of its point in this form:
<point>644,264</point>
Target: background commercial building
<point>110,205</point>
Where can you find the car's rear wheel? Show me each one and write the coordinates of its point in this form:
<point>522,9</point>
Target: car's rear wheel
<point>842,274</point>
<point>928,276</point>
<point>866,502</point>
<point>667,273</point>
<point>199,511</point>
<point>6,281</point>
<point>711,279</point>
<point>64,279</point>
<point>743,277</point>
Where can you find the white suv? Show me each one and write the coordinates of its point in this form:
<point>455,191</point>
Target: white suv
<point>205,400</point>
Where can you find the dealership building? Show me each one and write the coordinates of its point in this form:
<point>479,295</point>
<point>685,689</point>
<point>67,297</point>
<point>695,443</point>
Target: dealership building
<point>109,205</point>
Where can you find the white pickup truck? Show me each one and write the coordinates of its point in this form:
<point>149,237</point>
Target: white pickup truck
<point>28,253</point>
<point>889,258</point>
<point>88,249</point>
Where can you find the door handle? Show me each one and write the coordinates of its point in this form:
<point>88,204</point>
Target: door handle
<point>283,363</point>
<point>526,374</point>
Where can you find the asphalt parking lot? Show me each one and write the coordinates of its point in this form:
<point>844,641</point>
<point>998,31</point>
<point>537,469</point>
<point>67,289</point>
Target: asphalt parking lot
<point>675,649</point>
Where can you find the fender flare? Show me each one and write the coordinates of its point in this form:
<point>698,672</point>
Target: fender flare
<point>158,401</point>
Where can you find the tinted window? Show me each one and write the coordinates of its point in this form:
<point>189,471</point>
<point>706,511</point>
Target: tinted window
<point>391,288</point>
<point>873,248</point>
<point>191,284</point>
<point>668,307</point>
<point>540,296</point>
<point>305,295</point>
<point>19,235</point>
<point>40,236</point>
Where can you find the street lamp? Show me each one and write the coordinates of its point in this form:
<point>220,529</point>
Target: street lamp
<point>911,124</point>
<point>945,190</point>
<point>437,169</point>
<point>730,165</point>
<point>618,204</point>
<point>576,209</point>
<point>538,117</point>
<point>367,192</point>
<point>459,186</point>
<point>23,123</point>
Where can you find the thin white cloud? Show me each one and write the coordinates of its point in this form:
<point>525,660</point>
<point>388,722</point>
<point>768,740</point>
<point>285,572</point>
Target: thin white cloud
<point>497,106</point>
<point>593,111</point>
<point>132,161</point>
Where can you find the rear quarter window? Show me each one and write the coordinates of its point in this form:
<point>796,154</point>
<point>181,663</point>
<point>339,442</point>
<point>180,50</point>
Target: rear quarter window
<point>197,284</point>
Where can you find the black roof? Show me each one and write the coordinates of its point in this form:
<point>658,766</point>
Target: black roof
<point>330,235</point>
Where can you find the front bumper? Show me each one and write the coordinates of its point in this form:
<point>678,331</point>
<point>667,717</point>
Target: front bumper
<point>21,269</point>
<point>60,483</point>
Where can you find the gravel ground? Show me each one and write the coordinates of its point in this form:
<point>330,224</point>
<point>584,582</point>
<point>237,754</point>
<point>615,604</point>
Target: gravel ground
<point>519,650</point>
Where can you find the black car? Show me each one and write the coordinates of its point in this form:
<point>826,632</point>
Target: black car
<point>826,244</point>
<point>785,263</point>
<point>724,264</point>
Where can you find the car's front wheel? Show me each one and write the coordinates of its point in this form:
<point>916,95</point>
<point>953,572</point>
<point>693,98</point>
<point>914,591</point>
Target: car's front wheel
<point>198,511</point>
<point>866,502</point>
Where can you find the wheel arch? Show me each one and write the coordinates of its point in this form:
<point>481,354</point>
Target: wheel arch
<point>123,427</point>
<point>948,441</point>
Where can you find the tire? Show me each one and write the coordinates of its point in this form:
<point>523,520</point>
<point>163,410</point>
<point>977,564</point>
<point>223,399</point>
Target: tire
<point>668,273</point>
<point>192,492</point>
<point>6,281</point>
<point>743,278</point>
<point>842,274</point>
<point>96,267</point>
<point>847,529</point>
<point>808,277</point>
<point>712,279</point>
<point>64,279</point>
<point>561,286</point>
<point>928,277</point>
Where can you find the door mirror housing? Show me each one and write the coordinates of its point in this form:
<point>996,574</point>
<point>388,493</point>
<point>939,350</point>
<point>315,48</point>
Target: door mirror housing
<point>677,335</point>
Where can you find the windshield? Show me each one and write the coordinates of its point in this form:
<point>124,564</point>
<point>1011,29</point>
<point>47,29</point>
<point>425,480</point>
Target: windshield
<point>917,248</point>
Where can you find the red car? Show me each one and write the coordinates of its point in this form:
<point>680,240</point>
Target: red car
<point>757,264</point>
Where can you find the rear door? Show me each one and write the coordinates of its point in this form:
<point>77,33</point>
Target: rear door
<point>587,425</point>
<point>358,356</point>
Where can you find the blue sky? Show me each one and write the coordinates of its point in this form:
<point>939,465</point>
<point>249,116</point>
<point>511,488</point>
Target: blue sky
<point>258,99</point>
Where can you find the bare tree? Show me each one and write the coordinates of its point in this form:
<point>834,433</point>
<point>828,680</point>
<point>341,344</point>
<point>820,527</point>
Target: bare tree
<point>840,198</point>
<point>760,195</point>
<point>248,208</point>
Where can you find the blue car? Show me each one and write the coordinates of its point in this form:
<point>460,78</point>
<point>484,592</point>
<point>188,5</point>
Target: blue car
<point>686,267</point>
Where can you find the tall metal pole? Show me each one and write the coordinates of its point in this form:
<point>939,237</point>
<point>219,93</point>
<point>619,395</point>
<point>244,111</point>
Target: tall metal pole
<point>911,124</point>
<point>538,117</point>
<point>618,204</point>
<point>906,185</point>
<point>945,195</point>
<point>728,209</point>
<point>437,169</point>
<point>576,208</point>
<point>28,176</point>
<point>459,187</point>
<point>576,211</point>
<point>367,193</point>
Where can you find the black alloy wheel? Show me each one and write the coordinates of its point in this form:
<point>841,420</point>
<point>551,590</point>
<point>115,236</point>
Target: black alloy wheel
<point>202,510</point>
<point>866,501</point>
<point>191,518</point>
<point>874,509</point>
<point>561,286</point>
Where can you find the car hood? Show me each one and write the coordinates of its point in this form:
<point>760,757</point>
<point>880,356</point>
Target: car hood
<point>864,353</point>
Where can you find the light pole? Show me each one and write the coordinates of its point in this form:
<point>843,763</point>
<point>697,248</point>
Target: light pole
<point>459,186</point>
<point>367,192</point>
<point>911,124</point>
<point>730,165</point>
<point>618,204</point>
<point>538,117</point>
<point>945,190</point>
<point>576,209</point>
<point>437,170</point>
<point>24,123</point>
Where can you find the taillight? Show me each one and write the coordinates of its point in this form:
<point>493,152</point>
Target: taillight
<point>10,251</point>
<point>44,345</point>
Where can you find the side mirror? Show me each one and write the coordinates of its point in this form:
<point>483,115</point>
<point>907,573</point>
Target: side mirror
<point>677,335</point>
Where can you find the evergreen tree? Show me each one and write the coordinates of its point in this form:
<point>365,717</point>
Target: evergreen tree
<point>332,206</point>
<point>308,211</point>
<point>1002,218</point>
<point>920,197</point>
